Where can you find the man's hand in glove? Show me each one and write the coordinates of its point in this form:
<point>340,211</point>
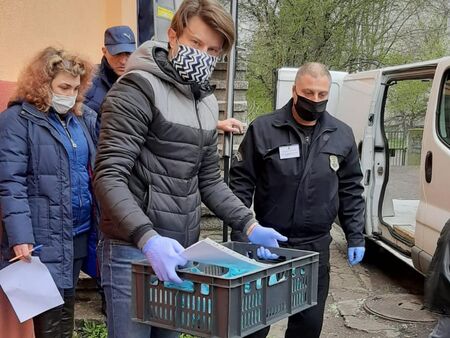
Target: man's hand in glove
<point>163,253</point>
<point>266,237</point>
<point>355,254</point>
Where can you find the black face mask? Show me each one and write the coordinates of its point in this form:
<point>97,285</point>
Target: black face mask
<point>309,110</point>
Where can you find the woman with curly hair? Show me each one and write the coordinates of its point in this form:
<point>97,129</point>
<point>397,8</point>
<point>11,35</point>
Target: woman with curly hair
<point>46,157</point>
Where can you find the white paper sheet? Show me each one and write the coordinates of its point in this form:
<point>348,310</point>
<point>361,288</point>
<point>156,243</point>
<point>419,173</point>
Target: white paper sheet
<point>30,288</point>
<point>209,252</point>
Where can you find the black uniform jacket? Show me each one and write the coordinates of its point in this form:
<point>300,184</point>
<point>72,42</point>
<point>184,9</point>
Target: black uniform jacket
<point>300,196</point>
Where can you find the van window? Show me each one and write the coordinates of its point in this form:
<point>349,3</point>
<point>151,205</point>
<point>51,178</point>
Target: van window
<point>443,121</point>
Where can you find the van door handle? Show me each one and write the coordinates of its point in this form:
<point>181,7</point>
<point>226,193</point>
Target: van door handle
<point>428,166</point>
<point>367,177</point>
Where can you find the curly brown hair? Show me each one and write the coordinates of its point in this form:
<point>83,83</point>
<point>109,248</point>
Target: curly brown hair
<point>34,83</point>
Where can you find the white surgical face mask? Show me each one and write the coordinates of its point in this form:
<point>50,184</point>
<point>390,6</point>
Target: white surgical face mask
<point>62,103</point>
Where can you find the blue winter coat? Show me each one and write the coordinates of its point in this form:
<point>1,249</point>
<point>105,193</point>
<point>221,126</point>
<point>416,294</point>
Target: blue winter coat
<point>45,193</point>
<point>101,84</point>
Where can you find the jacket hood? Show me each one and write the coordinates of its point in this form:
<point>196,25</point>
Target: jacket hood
<point>153,58</point>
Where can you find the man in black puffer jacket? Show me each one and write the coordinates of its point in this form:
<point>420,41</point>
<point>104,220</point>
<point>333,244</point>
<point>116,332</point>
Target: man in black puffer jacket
<point>157,159</point>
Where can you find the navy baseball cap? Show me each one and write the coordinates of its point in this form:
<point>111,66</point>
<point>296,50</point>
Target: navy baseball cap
<point>120,39</point>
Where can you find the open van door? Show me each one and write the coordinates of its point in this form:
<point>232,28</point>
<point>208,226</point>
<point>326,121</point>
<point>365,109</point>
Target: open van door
<point>434,206</point>
<point>360,99</point>
<point>400,116</point>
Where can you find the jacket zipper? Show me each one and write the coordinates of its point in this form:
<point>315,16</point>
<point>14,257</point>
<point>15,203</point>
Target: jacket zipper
<point>301,183</point>
<point>201,135</point>
<point>199,153</point>
<point>64,124</point>
<point>74,146</point>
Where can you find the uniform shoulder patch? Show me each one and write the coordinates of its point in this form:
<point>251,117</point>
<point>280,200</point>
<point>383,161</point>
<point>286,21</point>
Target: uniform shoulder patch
<point>238,156</point>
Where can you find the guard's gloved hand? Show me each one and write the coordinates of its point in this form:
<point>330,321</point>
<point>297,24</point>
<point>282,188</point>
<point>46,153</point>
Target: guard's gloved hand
<point>267,237</point>
<point>163,253</point>
<point>355,254</point>
<point>265,253</point>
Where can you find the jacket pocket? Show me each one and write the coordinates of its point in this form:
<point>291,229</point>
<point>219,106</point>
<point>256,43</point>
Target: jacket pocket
<point>277,167</point>
<point>331,156</point>
<point>40,219</point>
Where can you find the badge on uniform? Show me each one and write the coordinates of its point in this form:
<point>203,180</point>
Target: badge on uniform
<point>290,151</point>
<point>334,163</point>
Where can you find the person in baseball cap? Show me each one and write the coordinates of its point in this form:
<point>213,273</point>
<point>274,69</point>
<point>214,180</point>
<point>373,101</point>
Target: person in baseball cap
<point>119,43</point>
<point>120,39</point>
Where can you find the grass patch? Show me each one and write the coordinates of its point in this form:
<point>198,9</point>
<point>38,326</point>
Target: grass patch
<point>92,329</point>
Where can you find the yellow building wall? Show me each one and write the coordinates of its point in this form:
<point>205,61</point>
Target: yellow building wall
<point>27,26</point>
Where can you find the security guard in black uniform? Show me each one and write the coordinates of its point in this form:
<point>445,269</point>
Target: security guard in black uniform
<point>300,167</point>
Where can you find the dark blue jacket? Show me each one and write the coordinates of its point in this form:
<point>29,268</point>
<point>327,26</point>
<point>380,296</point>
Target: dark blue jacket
<point>101,84</point>
<point>301,196</point>
<point>45,192</point>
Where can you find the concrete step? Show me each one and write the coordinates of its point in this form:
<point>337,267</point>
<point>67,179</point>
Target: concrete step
<point>221,74</point>
<point>239,106</point>
<point>239,95</point>
<point>220,84</point>
<point>240,115</point>
<point>222,66</point>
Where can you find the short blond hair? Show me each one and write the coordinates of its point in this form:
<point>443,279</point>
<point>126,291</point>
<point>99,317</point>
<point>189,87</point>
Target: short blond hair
<point>212,13</point>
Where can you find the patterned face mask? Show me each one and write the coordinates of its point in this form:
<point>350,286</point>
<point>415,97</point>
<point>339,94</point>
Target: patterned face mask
<point>193,65</point>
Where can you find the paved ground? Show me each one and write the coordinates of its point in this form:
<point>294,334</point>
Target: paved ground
<point>379,274</point>
<point>345,316</point>
<point>403,182</point>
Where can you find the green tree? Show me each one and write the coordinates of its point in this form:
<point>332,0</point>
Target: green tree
<point>407,100</point>
<point>350,35</point>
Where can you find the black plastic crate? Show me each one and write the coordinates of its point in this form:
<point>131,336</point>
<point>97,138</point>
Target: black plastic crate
<point>218,306</point>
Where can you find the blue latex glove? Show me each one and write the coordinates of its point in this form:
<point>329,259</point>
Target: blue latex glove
<point>355,254</point>
<point>163,253</point>
<point>267,237</point>
<point>264,253</point>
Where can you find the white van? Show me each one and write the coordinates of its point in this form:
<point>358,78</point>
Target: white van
<point>401,120</point>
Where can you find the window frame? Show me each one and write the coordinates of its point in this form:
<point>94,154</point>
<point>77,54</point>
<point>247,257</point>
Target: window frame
<point>438,113</point>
